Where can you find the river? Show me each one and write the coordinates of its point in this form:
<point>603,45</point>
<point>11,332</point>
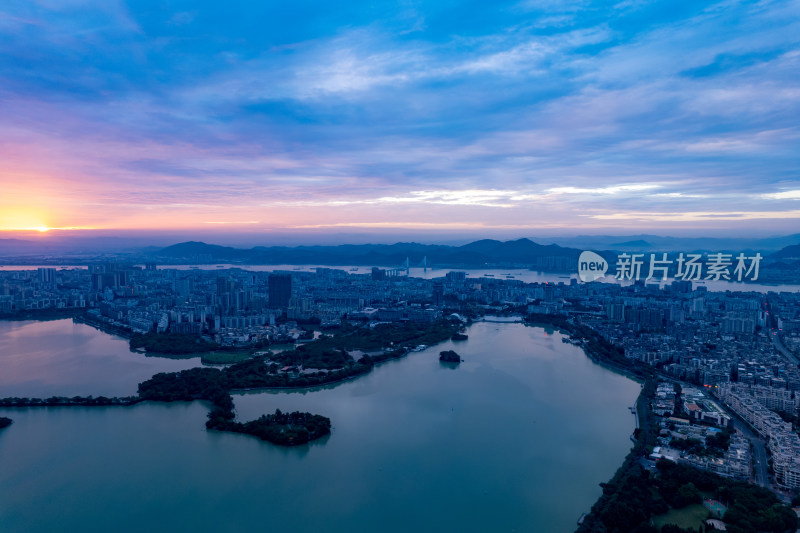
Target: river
<point>515,438</point>
<point>519,274</point>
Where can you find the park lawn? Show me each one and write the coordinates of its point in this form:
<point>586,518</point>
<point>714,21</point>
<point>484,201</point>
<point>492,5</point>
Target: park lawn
<point>690,517</point>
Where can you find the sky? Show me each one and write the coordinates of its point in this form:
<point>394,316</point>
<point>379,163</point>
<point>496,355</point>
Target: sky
<point>522,117</point>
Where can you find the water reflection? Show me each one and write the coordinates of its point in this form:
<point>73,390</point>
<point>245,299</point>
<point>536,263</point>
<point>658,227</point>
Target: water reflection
<point>63,358</point>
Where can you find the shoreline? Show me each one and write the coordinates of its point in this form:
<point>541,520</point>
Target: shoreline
<point>640,441</point>
<point>632,456</point>
<point>561,328</point>
<point>595,357</point>
<point>538,321</point>
<point>333,382</point>
<point>42,315</point>
<point>103,326</point>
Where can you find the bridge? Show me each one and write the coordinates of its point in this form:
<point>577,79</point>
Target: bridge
<point>404,269</point>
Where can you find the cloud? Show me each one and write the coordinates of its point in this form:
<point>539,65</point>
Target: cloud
<point>698,216</point>
<point>783,195</point>
<point>614,189</point>
<point>469,197</point>
<point>493,113</point>
<point>679,195</point>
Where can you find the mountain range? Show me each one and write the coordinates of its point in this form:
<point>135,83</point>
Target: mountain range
<point>478,253</point>
<point>644,242</point>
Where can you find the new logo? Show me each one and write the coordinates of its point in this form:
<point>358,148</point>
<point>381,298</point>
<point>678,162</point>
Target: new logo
<point>591,266</point>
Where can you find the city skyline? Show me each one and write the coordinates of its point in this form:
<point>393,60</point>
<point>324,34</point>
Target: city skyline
<point>520,118</point>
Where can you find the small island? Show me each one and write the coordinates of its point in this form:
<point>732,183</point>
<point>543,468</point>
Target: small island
<point>458,336</point>
<point>286,429</point>
<point>5,422</point>
<point>449,356</point>
<point>327,359</point>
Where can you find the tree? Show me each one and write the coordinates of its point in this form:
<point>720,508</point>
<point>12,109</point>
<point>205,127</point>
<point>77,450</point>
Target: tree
<point>687,495</point>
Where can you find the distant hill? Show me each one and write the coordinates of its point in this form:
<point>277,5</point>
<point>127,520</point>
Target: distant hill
<point>789,252</point>
<point>20,247</point>
<point>478,253</point>
<point>16,245</point>
<point>676,244</point>
<point>638,244</point>
<point>195,248</point>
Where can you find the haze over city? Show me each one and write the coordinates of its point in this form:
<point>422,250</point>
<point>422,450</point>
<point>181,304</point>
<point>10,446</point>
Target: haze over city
<point>428,119</point>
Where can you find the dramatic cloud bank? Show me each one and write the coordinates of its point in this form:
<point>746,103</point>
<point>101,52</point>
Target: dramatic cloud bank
<point>538,114</point>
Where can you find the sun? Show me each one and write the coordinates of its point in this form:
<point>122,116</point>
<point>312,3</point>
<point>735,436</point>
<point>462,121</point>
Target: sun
<point>39,229</point>
<point>23,219</point>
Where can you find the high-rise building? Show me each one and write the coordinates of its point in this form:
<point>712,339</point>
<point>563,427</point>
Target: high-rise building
<point>184,286</point>
<point>223,285</point>
<point>438,294</point>
<point>455,276</point>
<point>102,280</point>
<point>47,275</point>
<point>280,290</point>
<point>681,286</point>
<point>615,311</point>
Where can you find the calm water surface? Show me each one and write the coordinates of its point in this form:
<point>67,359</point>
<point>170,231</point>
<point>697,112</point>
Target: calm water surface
<point>63,358</point>
<point>516,438</point>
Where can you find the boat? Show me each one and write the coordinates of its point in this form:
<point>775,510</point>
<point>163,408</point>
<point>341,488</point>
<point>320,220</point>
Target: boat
<point>354,269</point>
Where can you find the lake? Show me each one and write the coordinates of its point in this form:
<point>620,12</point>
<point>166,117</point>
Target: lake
<point>64,358</point>
<point>515,438</point>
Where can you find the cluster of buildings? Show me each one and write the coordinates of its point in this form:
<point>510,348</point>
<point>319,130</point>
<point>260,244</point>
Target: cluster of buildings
<point>757,405</point>
<point>693,414</point>
<point>241,307</point>
<point>740,347</point>
<point>704,337</point>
